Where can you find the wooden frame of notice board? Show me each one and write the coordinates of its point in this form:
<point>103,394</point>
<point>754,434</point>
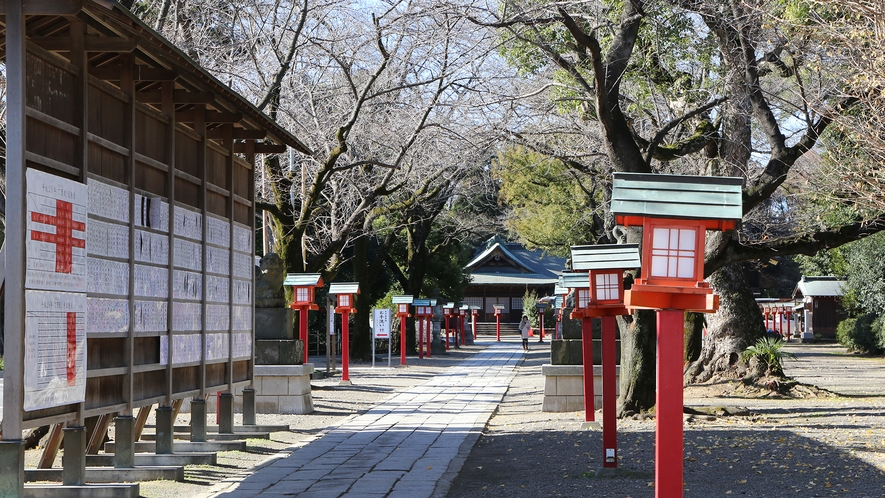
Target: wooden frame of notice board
<point>130,219</point>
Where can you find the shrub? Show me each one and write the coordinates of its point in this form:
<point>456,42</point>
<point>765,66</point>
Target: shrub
<point>856,334</point>
<point>879,333</point>
<point>768,351</point>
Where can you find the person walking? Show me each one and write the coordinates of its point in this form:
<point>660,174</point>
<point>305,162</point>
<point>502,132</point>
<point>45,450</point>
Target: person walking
<point>524,328</point>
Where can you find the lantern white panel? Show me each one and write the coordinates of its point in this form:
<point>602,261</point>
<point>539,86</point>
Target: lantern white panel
<point>607,287</point>
<point>673,252</point>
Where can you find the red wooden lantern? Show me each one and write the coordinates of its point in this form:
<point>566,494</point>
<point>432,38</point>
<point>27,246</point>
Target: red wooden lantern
<point>674,212</point>
<point>448,312</point>
<point>344,304</point>
<point>303,287</point>
<point>599,290</point>
<point>423,314</point>
<point>402,311</point>
<point>498,309</point>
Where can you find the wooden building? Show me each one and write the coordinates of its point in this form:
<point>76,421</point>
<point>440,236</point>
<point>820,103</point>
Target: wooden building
<point>500,274</point>
<point>819,308</point>
<point>130,230</point>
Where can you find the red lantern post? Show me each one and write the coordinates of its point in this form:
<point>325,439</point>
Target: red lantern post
<point>447,313</point>
<point>423,314</point>
<point>602,295</point>
<point>462,313</point>
<point>541,306</point>
<point>474,313</point>
<point>674,212</point>
<point>303,288</point>
<point>402,311</point>
<point>498,309</point>
<point>344,306</point>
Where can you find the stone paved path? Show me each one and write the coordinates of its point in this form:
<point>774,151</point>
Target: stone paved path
<point>410,446</point>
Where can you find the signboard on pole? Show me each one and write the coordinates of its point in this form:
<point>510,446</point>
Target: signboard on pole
<point>381,319</point>
<point>381,330</point>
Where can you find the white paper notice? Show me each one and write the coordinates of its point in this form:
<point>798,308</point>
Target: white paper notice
<point>56,233</point>
<point>55,349</point>
<point>381,323</point>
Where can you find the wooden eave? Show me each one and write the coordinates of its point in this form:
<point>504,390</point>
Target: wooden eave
<point>115,37</point>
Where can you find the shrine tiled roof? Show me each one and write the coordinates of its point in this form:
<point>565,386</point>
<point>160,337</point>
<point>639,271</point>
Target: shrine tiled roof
<point>498,262</point>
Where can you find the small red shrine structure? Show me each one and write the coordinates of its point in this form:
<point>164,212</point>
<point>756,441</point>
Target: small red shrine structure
<point>344,295</point>
<point>303,290</point>
<point>402,311</point>
<point>674,212</point>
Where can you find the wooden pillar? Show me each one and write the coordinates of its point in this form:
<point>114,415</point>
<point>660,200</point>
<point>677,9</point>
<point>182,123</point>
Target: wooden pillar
<point>12,452</point>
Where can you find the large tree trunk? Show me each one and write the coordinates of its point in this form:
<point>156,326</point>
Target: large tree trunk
<point>638,354</point>
<point>736,325</point>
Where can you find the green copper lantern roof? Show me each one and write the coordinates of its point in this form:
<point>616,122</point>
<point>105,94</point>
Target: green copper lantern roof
<point>605,257</point>
<point>344,288</point>
<point>677,196</point>
<point>577,280</point>
<point>303,279</point>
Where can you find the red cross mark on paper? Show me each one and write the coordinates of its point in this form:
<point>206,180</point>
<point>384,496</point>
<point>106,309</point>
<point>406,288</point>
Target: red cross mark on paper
<point>63,238</point>
<point>71,364</point>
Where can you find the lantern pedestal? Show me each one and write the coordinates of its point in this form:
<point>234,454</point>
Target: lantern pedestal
<point>564,387</point>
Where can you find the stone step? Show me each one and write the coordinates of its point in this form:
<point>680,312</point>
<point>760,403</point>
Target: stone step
<point>183,446</point>
<point>152,459</point>
<point>112,475</point>
<point>239,429</point>
<point>186,436</point>
<point>128,490</point>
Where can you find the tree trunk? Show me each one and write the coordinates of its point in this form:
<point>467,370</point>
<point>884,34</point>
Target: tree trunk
<point>638,352</point>
<point>736,325</point>
<point>693,336</point>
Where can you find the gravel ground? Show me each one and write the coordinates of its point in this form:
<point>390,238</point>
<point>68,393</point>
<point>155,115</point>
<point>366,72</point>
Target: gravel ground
<point>824,446</point>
